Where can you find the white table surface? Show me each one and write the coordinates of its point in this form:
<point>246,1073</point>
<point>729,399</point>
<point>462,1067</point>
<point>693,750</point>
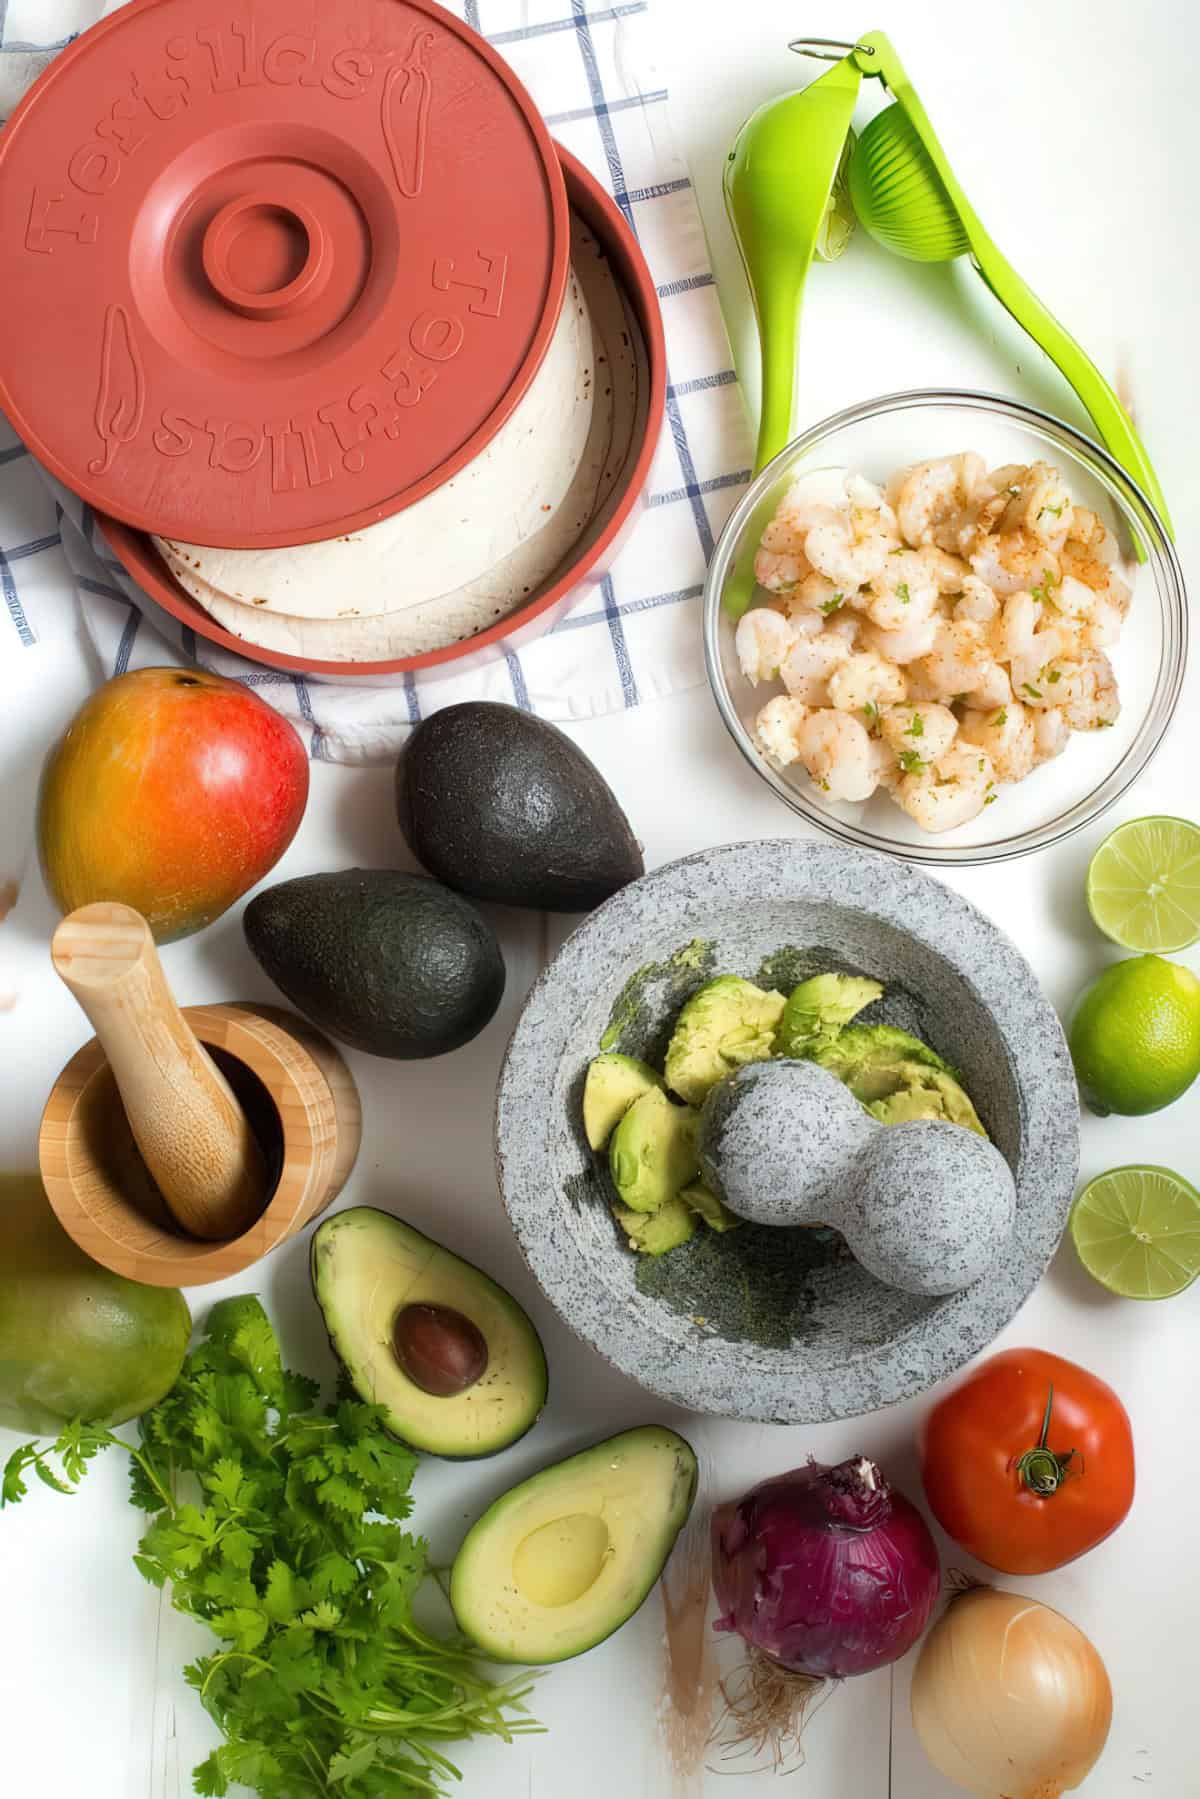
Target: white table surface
<point>1071,129</point>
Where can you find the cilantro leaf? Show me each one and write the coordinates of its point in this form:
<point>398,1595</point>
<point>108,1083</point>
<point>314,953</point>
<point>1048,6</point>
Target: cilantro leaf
<point>287,1543</point>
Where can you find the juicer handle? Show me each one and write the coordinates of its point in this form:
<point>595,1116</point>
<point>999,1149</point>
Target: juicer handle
<point>1114,424</point>
<point>192,1133</point>
<point>876,55</point>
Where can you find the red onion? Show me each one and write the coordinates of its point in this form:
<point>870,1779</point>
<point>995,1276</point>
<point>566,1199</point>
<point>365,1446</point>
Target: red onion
<point>826,1571</point>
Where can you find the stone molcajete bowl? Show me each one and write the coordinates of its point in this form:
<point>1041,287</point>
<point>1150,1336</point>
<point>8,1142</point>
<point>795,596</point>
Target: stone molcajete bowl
<point>778,1324</point>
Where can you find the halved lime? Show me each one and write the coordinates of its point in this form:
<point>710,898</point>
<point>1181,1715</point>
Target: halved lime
<point>1137,1231</point>
<point>1143,884</point>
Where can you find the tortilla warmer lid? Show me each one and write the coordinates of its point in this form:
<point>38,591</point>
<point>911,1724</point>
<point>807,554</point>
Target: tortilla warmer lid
<point>269,275</point>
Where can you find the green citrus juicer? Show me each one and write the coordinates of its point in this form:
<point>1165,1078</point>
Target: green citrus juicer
<point>779,192</point>
<point>905,193</point>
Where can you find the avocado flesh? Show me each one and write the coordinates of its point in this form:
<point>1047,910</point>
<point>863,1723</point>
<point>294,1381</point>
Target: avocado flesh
<point>919,1092</point>
<point>725,1024</point>
<point>819,1009</point>
<point>563,1560</point>
<point>897,1077</point>
<point>367,1265</point>
<point>613,1083</point>
<point>706,1205</point>
<point>866,1045</point>
<point>76,1340</point>
<point>654,1233</point>
<point>653,1152</point>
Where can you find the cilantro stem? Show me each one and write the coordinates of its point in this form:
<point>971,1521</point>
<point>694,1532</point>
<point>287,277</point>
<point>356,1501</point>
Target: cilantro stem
<point>232,1655</point>
<point>147,1468</point>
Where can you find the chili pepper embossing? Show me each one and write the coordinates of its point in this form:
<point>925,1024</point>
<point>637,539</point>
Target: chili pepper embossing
<point>407,93</point>
<point>122,393</point>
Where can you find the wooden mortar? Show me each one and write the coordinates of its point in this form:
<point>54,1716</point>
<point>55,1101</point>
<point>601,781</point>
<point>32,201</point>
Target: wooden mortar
<point>300,1098</point>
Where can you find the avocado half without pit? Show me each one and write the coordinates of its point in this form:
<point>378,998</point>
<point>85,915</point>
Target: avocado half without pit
<point>560,1562</point>
<point>452,1359</point>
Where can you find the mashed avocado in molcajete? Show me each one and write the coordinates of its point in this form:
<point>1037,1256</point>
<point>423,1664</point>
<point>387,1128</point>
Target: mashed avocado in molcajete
<point>725,1023</point>
<point>897,1077</point>
<point>728,1023</point>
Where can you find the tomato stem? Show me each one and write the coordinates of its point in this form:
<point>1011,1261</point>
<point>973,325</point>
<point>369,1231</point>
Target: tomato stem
<point>1040,1469</point>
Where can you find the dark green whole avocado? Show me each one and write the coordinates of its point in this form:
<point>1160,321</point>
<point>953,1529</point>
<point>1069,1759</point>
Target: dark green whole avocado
<point>390,963</point>
<point>503,806</point>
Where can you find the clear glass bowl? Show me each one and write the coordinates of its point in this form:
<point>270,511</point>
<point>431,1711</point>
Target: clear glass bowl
<point>1097,767</point>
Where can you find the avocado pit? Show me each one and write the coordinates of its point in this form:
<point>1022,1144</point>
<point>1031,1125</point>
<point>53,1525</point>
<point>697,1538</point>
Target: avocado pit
<point>440,1349</point>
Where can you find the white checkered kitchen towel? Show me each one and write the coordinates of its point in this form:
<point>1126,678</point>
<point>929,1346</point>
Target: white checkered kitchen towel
<point>634,638</point>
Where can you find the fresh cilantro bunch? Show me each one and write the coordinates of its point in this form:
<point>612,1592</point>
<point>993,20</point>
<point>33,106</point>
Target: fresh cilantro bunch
<point>286,1544</point>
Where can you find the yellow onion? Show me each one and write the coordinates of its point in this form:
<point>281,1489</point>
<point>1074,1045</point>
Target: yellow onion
<point>1009,1699</point>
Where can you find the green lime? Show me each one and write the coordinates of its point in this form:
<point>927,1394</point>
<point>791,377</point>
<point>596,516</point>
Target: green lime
<point>1137,1231</point>
<point>1143,884</point>
<point>1135,1036</point>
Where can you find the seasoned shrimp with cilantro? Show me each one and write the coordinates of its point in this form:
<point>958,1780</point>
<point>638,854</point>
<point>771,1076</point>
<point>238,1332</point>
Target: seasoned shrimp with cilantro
<point>936,637</point>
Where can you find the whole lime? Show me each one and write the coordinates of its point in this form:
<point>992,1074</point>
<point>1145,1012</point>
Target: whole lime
<point>1135,1036</point>
<point>76,1340</point>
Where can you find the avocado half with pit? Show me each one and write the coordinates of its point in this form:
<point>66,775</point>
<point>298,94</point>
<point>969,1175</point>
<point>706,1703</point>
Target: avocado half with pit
<point>451,1357</point>
<point>562,1561</point>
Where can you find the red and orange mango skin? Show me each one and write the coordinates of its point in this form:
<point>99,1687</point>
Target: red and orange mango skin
<point>173,791</point>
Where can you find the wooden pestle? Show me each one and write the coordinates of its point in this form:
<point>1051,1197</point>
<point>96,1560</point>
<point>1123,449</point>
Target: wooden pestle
<point>191,1131</point>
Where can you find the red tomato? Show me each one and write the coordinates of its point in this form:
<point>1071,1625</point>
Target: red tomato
<point>1028,1462</point>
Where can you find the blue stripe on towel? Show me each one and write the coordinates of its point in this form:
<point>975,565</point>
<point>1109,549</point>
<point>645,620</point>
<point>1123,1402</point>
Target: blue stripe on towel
<point>125,647</point>
<point>16,611</point>
<point>516,675</point>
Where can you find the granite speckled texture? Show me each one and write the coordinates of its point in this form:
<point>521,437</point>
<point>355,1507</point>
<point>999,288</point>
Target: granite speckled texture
<point>923,1205</point>
<point>768,1323</point>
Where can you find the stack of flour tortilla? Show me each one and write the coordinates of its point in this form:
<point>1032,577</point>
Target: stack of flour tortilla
<point>488,540</point>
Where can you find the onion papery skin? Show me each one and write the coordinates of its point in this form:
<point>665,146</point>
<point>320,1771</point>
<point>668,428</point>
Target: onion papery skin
<point>825,1570</point>
<point>1009,1698</point>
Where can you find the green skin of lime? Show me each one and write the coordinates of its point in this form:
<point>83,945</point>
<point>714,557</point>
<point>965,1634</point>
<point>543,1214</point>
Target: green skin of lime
<point>1133,1075</point>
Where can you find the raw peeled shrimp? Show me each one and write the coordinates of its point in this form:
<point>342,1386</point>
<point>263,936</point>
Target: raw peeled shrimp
<point>936,639</point>
<point>865,679</point>
<point>810,662</point>
<point>817,593</point>
<point>1014,562</point>
<point>948,573</point>
<point>1045,508</point>
<point>901,591</point>
<point>1013,633</point>
<point>794,519</point>
<point>762,641</point>
<point>995,689</point>
<point>928,493</point>
<point>779,571</point>
<point>885,764</point>
<point>914,638</point>
<point>838,754</point>
<point>928,729</point>
<point>846,625</point>
<point>776,727</point>
<point>850,546</point>
<point>1007,735</point>
<point>951,793</point>
<point>1051,734</point>
<point>960,660</point>
<point>1087,695</point>
<point>976,602</point>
